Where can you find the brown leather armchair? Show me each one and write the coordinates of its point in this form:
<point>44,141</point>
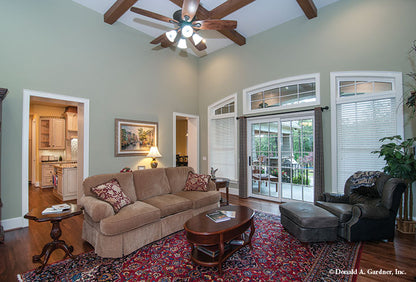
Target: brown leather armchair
<point>366,215</point>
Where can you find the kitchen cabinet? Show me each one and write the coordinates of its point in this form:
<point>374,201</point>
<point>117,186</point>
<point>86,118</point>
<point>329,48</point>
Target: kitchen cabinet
<point>52,133</point>
<point>71,125</point>
<point>67,184</point>
<point>47,174</point>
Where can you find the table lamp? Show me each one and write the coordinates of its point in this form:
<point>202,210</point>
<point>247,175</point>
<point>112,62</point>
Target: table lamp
<point>154,153</point>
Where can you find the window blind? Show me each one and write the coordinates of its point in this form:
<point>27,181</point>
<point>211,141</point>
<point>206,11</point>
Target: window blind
<point>360,126</point>
<point>222,147</point>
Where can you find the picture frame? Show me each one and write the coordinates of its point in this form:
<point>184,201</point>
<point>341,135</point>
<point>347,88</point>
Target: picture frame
<point>134,138</point>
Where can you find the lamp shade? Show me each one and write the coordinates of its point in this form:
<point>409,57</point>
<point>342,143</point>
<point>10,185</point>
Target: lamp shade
<point>171,35</point>
<point>154,153</point>
<point>197,38</point>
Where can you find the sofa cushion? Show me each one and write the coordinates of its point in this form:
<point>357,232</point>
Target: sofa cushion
<point>169,204</point>
<point>150,183</point>
<point>177,177</point>
<point>125,180</point>
<point>197,182</point>
<point>200,199</point>
<point>111,193</point>
<point>130,217</point>
<point>96,208</point>
<point>340,210</point>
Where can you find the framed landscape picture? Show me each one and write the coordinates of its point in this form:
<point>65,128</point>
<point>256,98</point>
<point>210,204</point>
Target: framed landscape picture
<point>134,138</point>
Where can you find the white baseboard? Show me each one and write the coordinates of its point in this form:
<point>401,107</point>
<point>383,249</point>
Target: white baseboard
<point>231,191</point>
<point>14,223</point>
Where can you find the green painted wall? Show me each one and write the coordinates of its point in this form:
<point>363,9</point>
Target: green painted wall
<point>346,36</point>
<point>64,48</point>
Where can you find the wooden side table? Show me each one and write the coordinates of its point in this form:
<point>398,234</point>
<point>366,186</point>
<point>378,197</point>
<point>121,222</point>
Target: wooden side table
<point>36,215</point>
<point>223,183</point>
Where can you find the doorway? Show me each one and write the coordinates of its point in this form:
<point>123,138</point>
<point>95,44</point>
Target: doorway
<point>82,106</point>
<point>281,163</point>
<point>186,140</point>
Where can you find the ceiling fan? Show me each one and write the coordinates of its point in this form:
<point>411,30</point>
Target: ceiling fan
<point>186,25</point>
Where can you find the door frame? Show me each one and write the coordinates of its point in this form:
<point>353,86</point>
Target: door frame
<point>249,150</point>
<point>280,118</point>
<point>193,140</point>
<point>83,129</point>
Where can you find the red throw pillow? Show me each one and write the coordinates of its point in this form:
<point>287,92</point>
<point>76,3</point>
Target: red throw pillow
<point>197,182</point>
<point>111,193</point>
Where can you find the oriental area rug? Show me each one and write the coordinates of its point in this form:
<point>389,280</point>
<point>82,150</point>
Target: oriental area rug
<point>276,256</point>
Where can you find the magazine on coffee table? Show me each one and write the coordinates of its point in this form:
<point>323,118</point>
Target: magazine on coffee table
<point>56,209</point>
<point>218,216</point>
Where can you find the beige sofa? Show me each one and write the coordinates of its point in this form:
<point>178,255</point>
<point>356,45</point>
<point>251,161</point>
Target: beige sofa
<point>160,207</point>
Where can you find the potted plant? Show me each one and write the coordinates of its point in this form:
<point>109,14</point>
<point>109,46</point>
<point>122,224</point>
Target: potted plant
<point>401,163</point>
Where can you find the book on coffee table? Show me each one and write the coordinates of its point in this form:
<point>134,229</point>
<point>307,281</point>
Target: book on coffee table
<point>218,216</point>
<point>61,207</point>
<point>212,251</point>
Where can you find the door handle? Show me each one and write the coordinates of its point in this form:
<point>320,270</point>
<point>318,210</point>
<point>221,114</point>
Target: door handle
<point>249,160</point>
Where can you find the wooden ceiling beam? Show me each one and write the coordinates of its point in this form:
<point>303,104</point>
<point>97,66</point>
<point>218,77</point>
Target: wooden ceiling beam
<point>117,10</point>
<point>227,8</point>
<point>308,8</point>
<point>233,35</point>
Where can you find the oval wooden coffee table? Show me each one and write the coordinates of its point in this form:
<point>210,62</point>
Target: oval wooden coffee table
<point>220,239</point>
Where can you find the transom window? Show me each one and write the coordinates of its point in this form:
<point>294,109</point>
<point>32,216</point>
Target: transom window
<point>289,92</point>
<point>228,108</point>
<point>359,87</point>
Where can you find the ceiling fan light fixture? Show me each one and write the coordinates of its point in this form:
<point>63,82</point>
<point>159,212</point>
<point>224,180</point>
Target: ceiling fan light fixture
<point>187,31</point>
<point>196,38</point>
<point>171,35</point>
<point>182,43</point>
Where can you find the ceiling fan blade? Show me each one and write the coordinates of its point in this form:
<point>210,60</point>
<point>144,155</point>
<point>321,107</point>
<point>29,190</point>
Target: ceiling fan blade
<point>189,9</point>
<point>163,40</point>
<point>152,15</point>
<point>201,46</point>
<point>215,24</point>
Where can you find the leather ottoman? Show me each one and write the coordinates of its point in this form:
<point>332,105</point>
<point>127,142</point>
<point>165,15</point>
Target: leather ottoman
<point>308,223</point>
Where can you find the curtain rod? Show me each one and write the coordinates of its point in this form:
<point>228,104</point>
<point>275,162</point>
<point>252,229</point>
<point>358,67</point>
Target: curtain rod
<point>272,114</point>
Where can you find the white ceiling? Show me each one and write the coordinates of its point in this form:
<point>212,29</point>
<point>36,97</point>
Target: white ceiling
<point>252,19</point>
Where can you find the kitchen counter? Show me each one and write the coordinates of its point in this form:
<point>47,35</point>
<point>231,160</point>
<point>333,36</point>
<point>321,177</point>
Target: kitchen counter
<point>65,165</point>
<point>58,162</point>
<point>66,186</point>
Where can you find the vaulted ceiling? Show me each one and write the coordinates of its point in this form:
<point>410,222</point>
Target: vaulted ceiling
<point>252,16</point>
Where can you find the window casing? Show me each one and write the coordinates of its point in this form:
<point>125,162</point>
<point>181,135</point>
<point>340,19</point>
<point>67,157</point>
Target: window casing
<point>222,137</point>
<point>286,93</point>
<point>365,108</point>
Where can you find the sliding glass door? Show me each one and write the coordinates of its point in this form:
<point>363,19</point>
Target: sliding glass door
<point>281,159</point>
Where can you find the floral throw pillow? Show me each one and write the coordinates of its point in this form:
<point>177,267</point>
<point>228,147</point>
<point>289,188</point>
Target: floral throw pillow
<point>197,182</point>
<point>111,193</point>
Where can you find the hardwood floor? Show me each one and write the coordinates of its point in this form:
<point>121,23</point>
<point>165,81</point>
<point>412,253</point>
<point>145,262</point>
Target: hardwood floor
<point>20,245</point>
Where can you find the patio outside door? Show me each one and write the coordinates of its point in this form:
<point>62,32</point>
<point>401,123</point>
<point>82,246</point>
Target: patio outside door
<point>281,159</point>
